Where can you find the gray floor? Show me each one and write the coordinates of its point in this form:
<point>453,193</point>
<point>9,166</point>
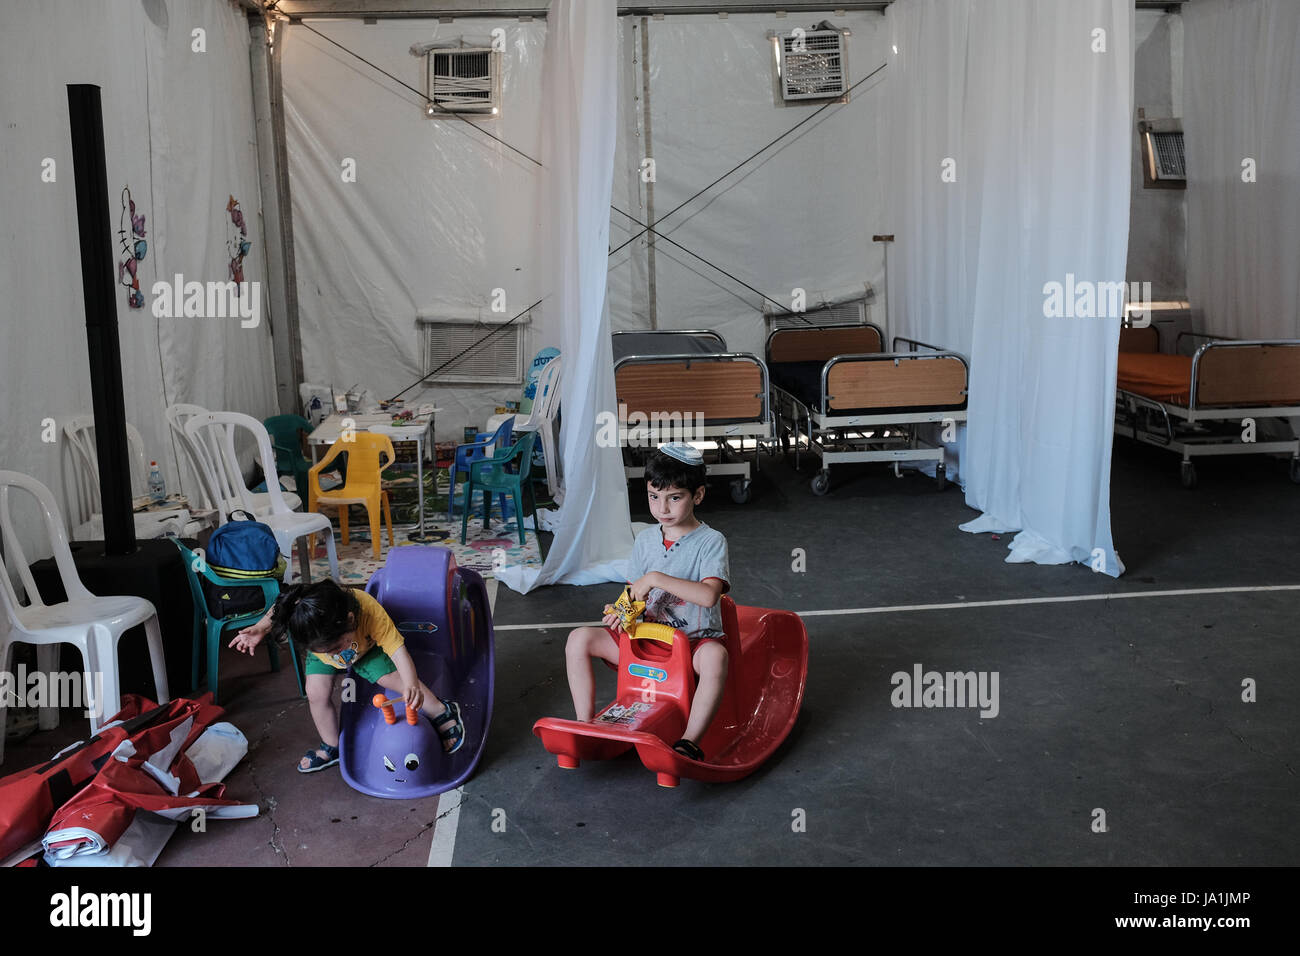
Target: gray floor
<point>1129,706</point>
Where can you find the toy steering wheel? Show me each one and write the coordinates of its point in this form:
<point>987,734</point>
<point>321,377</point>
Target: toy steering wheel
<point>629,613</point>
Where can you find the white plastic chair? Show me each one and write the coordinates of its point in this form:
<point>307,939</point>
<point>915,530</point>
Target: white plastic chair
<point>213,435</point>
<point>88,522</point>
<point>229,488</point>
<point>542,420</point>
<point>92,624</point>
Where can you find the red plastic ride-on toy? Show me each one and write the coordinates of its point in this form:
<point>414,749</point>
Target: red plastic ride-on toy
<point>767,667</point>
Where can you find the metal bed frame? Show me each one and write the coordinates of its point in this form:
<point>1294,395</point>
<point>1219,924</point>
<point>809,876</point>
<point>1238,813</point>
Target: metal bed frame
<point>839,439</point>
<point>731,460</point>
<point>1189,430</point>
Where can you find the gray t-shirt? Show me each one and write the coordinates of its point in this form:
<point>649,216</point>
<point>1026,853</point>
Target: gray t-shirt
<point>693,557</point>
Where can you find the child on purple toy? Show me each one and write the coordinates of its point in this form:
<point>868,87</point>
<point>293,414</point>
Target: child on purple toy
<point>341,627</point>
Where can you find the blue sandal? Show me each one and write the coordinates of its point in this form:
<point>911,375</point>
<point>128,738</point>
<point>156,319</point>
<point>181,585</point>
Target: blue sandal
<point>456,731</point>
<point>316,762</point>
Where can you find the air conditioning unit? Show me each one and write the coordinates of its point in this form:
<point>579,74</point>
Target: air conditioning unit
<point>1163,162</point>
<point>462,79</point>
<point>460,350</point>
<point>812,64</point>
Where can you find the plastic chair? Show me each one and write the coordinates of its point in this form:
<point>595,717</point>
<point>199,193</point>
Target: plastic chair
<point>230,482</point>
<point>87,522</point>
<point>476,450</point>
<point>213,435</point>
<point>495,475</point>
<point>363,485</point>
<point>541,420</point>
<point>91,623</point>
<point>208,630</point>
<point>285,432</point>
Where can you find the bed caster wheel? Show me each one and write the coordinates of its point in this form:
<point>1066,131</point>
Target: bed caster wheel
<point>740,492</point>
<point>1187,475</point>
<point>1295,470</point>
<point>940,477</point>
<point>821,483</point>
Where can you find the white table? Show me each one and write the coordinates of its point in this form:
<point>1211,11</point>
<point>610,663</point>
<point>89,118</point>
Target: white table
<point>381,423</point>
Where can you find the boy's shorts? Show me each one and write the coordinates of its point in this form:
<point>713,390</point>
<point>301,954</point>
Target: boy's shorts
<point>373,665</point>
<point>694,641</point>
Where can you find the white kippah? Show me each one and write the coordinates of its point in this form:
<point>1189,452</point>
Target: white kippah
<point>687,454</point>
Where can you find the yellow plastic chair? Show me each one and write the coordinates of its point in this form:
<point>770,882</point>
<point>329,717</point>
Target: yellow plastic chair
<point>363,485</point>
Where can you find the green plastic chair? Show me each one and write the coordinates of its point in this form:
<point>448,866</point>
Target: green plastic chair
<point>214,627</point>
<point>505,472</point>
<point>287,443</point>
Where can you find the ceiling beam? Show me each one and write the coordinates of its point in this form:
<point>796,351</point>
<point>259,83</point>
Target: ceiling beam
<point>418,9</point>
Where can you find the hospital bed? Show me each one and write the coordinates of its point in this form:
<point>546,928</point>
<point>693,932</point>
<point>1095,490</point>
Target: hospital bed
<point>1198,404</point>
<point>683,385</point>
<point>838,396</point>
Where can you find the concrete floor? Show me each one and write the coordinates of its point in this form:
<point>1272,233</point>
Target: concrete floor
<point>1131,706</point>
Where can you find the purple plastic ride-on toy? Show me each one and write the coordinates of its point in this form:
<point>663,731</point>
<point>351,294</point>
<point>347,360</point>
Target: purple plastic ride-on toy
<point>444,614</point>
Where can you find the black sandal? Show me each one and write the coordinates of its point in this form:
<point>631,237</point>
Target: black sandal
<point>456,731</point>
<point>316,762</point>
<point>687,748</point>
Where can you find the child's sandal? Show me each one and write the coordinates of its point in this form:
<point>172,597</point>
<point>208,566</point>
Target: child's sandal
<point>687,748</point>
<point>316,762</point>
<point>456,732</point>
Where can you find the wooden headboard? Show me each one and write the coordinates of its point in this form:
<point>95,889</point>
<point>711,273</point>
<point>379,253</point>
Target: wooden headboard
<point>1139,340</point>
<point>721,390</point>
<point>1249,375</point>
<point>903,383</point>
<point>820,343</point>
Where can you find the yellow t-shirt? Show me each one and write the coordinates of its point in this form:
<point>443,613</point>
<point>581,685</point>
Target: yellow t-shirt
<point>374,628</point>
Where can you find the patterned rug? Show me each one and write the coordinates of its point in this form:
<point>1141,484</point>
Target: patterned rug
<point>482,552</point>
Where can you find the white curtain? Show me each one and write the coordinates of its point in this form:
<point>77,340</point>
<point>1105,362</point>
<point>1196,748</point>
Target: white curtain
<point>1011,129</point>
<point>580,83</point>
<point>1241,76</point>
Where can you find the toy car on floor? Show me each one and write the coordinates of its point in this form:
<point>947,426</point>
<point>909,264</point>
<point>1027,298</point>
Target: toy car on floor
<point>443,612</point>
<point>768,666</point>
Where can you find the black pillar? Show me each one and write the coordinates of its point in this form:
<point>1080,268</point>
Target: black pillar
<point>96,234</point>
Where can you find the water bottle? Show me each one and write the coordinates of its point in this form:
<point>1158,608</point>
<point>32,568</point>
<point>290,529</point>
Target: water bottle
<point>157,489</point>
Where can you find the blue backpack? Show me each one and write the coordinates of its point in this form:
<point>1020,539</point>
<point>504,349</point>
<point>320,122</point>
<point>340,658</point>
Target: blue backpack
<point>241,549</point>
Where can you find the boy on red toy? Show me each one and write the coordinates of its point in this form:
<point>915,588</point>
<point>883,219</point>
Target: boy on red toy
<point>679,569</point>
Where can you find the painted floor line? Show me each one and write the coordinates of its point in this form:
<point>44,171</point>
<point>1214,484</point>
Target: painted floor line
<point>1009,602</point>
<point>443,846</point>
<point>444,831</point>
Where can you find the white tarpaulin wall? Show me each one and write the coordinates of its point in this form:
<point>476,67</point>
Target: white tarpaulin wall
<point>800,215</point>
<point>1241,75</point>
<point>178,129</point>
<point>1035,120</point>
<point>593,535</point>
<point>396,214</point>
<point>439,215</point>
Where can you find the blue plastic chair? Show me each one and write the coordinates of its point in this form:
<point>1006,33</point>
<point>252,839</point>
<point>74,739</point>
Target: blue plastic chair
<point>474,451</point>
<point>505,472</point>
<point>214,627</point>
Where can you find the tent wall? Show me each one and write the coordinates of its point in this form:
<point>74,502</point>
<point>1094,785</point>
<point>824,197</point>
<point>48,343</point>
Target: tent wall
<point>178,129</point>
<point>801,215</point>
<point>440,215</point>
<point>1242,87</point>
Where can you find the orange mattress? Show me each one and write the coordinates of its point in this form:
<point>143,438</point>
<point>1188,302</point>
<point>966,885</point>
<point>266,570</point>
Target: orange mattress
<point>1165,378</point>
